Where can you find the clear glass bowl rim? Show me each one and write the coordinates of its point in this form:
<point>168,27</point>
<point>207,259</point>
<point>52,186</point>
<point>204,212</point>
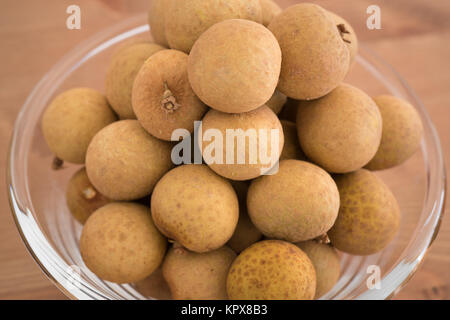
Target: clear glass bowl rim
<point>21,204</point>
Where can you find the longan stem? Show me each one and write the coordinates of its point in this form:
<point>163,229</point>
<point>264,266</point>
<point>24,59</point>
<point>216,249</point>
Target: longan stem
<point>323,239</point>
<point>169,102</point>
<point>343,31</point>
<point>57,163</point>
<point>89,193</point>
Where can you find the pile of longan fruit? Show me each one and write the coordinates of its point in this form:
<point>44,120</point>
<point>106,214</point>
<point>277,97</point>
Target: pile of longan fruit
<point>222,230</point>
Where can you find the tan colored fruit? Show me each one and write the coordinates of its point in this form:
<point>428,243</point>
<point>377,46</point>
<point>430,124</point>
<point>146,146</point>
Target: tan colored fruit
<point>402,133</point>
<point>270,9</point>
<point>369,216</point>
<point>124,162</point>
<point>348,34</point>
<point>277,102</point>
<point>154,286</point>
<point>156,21</point>
<point>120,243</point>
<point>326,263</point>
<point>72,119</point>
<point>195,207</point>
<point>82,198</point>
<point>249,164</point>
<point>341,132</point>
<point>187,20</point>
<point>300,202</point>
<point>198,276</point>
<point>291,149</point>
<point>234,66</point>
<point>315,57</point>
<point>246,233</point>
<point>272,270</point>
<point>121,73</point>
<point>163,99</point>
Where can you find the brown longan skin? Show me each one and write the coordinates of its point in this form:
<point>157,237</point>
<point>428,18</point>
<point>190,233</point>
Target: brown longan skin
<point>300,202</point>
<point>326,263</point>
<point>291,149</point>
<point>315,57</point>
<point>157,23</point>
<point>186,21</point>
<point>272,270</point>
<point>270,9</point>
<point>235,65</point>
<point>245,233</point>
<point>163,99</point>
<point>260,119</point>
<point>198,276</point>
<point>402,133</point>
<point>82,198</point>
<point>124,162</point>
<point>120,243</point>
<point>195,207</point>
<point>369,217</point>
<point>340,132</point>
<point>122,71</point>
<point>72,119</point>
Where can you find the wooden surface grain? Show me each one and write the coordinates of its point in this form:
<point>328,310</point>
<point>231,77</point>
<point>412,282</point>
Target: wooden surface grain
<point>415,38</point>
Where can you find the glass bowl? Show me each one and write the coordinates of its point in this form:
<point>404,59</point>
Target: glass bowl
<point>37,193</point>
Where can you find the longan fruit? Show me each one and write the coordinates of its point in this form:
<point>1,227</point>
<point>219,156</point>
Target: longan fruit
<point>120,243</point>
<point>247,162</point>
<point>270,9</point>
<point>195,207</point>
<point>187,20</point>
<point>291,149</point>
<point>72,119</point>
<point>235,65</point>
<point>272,270</point>
<point>340,132</point>
<point>122,71</point>
<point>163,99</point>
<point>82,198</point>
<point>369,216</point>
<point>124,162</point>
<point>402,133</point>
<point>326,263</point>
<point>156,21</point>
<point>300,202</point>
<point>198,276</point>
<point>315,57</point>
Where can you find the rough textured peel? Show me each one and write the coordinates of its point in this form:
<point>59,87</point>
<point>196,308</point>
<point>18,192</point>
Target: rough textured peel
<point>124,162</point>
<point>315,57</point>
<point>195,207</point>
<point>272,270</point>
<point>235,65</point>
<point>120,243</point>
<point>71,121</point>
<point>369,216</point>
<point>299,203</point>
<point>341,132</point>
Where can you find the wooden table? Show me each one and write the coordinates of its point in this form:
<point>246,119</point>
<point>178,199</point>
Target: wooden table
<point>415,38</point>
